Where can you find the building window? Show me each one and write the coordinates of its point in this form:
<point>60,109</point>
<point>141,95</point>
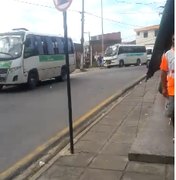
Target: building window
<point>138,33</point>
<point>156,32</point>
<point>145,34</point>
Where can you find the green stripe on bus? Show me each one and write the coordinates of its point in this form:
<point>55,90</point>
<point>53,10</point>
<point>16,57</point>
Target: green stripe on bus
<point>48,58</point>
<point>5,64</point>
<point>135,54</point>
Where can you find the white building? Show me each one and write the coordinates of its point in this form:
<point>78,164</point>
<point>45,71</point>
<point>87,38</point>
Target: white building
<point>147,35</point>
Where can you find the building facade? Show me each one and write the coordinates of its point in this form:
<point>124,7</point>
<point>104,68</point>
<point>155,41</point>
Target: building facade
<point>109,39</point>
<point>147,35</point>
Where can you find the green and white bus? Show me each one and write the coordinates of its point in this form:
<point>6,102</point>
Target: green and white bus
<point>123,54</point>
<point>27,58</point>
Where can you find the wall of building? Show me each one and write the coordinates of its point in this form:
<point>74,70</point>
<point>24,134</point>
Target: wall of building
<point>149,40</point>
<point>109,39</point>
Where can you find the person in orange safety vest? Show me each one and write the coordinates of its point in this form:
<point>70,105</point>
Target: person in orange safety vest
<point>167,79</point>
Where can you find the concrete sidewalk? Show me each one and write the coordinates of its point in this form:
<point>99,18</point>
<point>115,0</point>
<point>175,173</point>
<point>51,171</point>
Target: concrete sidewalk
<point>102,152</point>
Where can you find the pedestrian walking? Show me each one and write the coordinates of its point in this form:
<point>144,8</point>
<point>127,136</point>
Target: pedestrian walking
<point>167,79</point>
<point>100,60</point>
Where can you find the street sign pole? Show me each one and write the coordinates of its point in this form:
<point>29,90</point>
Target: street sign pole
<point>62,5</point>
<point>68,83</point>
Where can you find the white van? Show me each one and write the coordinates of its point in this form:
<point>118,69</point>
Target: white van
<point>123,54</point>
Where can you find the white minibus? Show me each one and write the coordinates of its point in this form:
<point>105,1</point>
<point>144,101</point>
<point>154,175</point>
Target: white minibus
<point>27,58</point>
<point>123,54</point>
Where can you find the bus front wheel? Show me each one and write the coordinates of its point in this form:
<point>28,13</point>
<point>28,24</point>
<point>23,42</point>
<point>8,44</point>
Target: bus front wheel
<point>121,63</point>
<point>138,63</point>
<point>32,80</point>
<point>63,74</point>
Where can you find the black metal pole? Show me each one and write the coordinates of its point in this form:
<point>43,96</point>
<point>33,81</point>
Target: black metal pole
<point>68,83</point>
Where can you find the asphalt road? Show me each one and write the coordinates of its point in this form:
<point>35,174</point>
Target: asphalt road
<point>30,118</point>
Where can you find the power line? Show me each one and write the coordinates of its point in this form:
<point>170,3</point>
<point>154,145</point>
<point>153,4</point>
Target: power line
<point>137,3</point>
<point>112,20</point>
<point>152,4</point>
<point>88,13</point>
<point>34,4</point>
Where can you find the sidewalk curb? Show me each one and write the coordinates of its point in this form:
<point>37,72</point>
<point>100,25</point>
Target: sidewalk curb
<point>61,139</point>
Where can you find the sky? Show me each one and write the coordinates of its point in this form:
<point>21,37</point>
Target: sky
<point>41,16</point>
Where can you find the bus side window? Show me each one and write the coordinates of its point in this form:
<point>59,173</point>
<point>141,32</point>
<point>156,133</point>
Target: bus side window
<point>49,45</point>
<point>39,45</point>
<point>139,49</point>
<point>143,49</point>
<point>128,49</point>
<point>70,46</point>
<point>30,49</point>
<point>60,43</point>
<point>135,49</point>
<point>44,45</point>
<point>55,45</point>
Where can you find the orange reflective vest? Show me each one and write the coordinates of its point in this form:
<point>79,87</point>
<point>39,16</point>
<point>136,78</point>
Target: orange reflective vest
<point>167,65</point>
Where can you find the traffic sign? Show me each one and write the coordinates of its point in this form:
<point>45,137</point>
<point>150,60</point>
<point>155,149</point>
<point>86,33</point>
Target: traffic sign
<point>62,5</point>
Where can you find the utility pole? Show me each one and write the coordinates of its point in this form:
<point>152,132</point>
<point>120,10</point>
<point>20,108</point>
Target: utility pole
<point>82,37</point>
<point>89,48</point>
<point>102,34</point>
<point>90,53</point>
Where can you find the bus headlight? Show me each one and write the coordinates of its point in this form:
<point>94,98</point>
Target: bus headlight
<point>12,70</point>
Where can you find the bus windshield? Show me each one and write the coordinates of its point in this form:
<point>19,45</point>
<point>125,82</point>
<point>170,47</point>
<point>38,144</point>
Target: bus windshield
<point>10,46</point>
<point>111,51</point>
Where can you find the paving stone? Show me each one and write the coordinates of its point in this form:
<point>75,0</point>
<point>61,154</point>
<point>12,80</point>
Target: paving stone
<point>137,176</point>
<point>109,162</point>
<point>102,128</point>
<point>123,137</point>
<point>88,146</point>
<point>169,172</point>
<point>77,159</point>
<point>120,108</point>
<point>97,174</point>
<point>96,136</point>
<point>112,122</point>
<point>128,129</point>
<point>147,168</point>
<point>138,93</point>
<point>149,97</point>
<point>116,149</point>
<point>131,122</point>
<point>62,173</point>
<point>117,116</point>
<point>132,99</point>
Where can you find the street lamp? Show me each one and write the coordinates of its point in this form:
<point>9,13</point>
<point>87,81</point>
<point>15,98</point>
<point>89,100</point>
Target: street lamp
<point>90,51</point>
<point>82,38</point>
<point>102,35</point>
